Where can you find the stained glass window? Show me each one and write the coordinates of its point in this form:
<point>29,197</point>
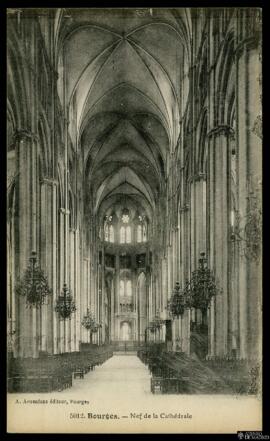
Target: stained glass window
<point>144,233</point>
<point>106,232</point>
<point>128,234</point>
<point>128,288</point>
<point>122,288</point>
<point>125,234</point>
<point>139,233</point>
<point>111,234</point>
<point>125,218</point>
<point>122,235</point>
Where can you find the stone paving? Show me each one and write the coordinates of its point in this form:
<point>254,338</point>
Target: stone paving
<point>117,377</point>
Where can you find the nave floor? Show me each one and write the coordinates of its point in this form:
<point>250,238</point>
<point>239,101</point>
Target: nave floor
<point>116,398</point>
<point>118,377</point>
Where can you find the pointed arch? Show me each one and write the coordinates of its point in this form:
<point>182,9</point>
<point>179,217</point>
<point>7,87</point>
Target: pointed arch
<point>226,77</point>
<point>202,152</point>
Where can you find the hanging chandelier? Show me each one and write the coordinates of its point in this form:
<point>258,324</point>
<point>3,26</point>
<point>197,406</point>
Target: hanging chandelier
<point>65,304</point>
<point>178,302</point>
<point>202,286</point>
<point>33,285</point>
<point>11,335</point>
<point>89,322</point>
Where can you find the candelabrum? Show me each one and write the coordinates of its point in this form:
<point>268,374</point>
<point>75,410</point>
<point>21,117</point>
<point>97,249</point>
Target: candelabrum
<point>178,302</point>
<point>33,285</point>
<point>11,335</point>
<point>65,304</point>
<point>201,287</point>
<point>89,322</point>
<point>197,293</point>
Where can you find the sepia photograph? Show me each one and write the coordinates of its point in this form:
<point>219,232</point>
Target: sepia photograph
<point>134,220</point>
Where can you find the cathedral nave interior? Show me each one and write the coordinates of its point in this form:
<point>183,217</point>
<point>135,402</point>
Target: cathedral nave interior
<point>134,195</point>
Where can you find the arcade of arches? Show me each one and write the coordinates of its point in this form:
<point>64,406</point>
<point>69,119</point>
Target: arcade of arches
<point>134,144</point>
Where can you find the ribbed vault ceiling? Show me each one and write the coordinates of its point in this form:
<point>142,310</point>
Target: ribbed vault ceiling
<point>122,78</point>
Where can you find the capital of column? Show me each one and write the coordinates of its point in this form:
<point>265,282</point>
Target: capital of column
<point>193,68</point>
<point>222,129</point>
<point>184,208</point>
<point>49,181</point>
<point>22,135</point>
<point>198,177</point>
<point>248,43</point>
<point>54,72</point>
<point>66,120</point>
<point>64,211</point>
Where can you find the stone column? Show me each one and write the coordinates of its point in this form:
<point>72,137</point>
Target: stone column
<point>99,301</point>
<point>219,229</point>
<point>117,291</point>
<point>135,297</point>
<point>86,293</point>
<point>173,335</point>
<point>162,304</point>
<point>11,301</point>
<point>148,288</point>
<point>78,290</point>
<point>185,272</point>
<point>168,291</point>
<point>72,286</point>
<point>173,254</point>
<point>201,227</point>
<point>67,322</point>
<point>112,330</point>
<point>164,289</point>
<point>26,234</point>
<point>185,331</point>
<point>150,305</point>
<point>48,253</point>
<point>249,146</point>
<point>198,226</point>
<point>233,315</point>
<point>178,252</point>
<point>61,240</point>
<point>192,226</point>
<point>84,300</point>
<point>211,249</point>
<point>103,288</point>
